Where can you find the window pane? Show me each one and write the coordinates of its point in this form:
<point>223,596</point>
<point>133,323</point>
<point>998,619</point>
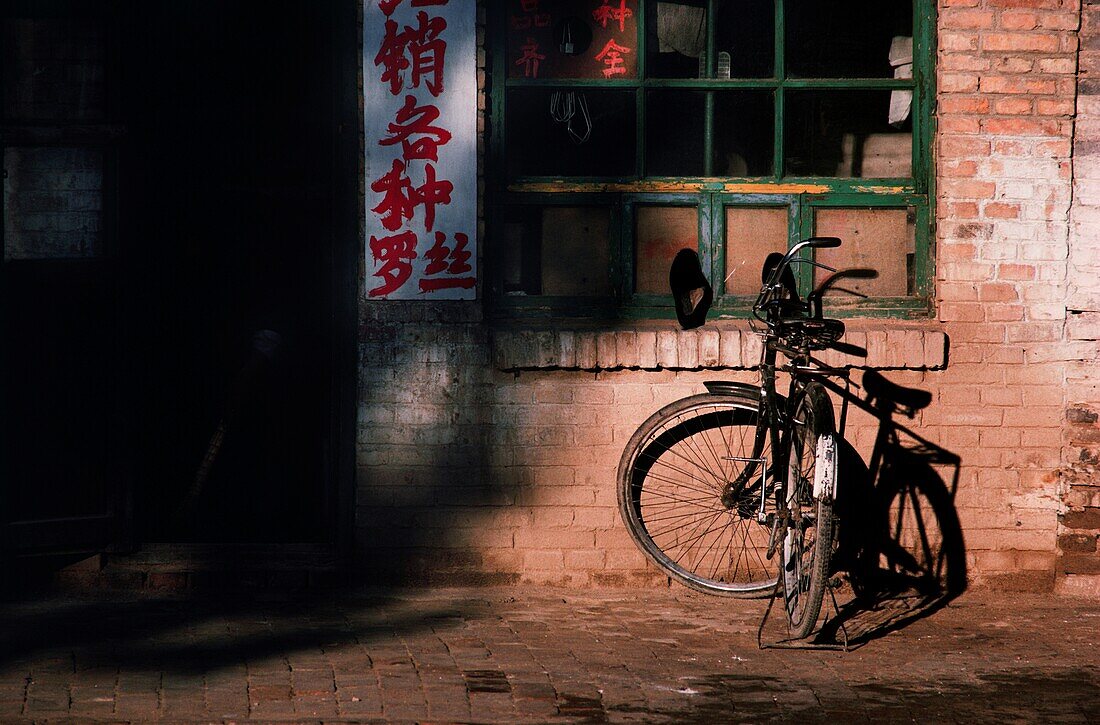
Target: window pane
<point>751,234</point>
<point>570,133</point>
<point>674,133</point>
<point>883,240</point>
<point>659,233</point>
<point>851,39</point>
<point>53,203</point>
<point>53,69</point>
<point>846,134</point>
<point>677,42</point>
<point>743,138</point>
<point>556,250</point>
<point>572,39</point>
<point>745,39</point>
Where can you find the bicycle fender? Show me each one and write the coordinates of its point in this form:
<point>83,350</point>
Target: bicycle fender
<point>726,387</point>
<point>826,468</point>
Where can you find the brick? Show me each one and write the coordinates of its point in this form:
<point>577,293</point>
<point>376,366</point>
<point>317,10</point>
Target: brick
<point>1081,543</point>
<point>687,349</point>
<point>1014,84</point>
<point>958,83</point>
<point>1089,518</point>
<point>1021,42</point>
<point>667,349</point>
<point>1012,105</point>
<point>1075,563</point>
<point>1019,20</point>
<point>1020,127</point>
<point>606,356</point>
<point>729,348</point>
<point>966,19</point>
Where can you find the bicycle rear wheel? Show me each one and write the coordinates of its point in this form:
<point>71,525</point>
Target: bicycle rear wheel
<point>672,477</point>
<point>807,545</point>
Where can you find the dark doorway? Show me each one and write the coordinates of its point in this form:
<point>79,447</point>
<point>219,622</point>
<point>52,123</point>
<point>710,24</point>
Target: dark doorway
<point>220,333</point>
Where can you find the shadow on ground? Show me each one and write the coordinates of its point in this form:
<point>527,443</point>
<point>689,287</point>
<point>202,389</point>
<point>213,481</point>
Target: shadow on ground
<point>200,634</point>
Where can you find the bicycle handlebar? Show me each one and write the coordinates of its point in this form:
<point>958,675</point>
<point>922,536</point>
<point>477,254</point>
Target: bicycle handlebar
<point>771,293</point>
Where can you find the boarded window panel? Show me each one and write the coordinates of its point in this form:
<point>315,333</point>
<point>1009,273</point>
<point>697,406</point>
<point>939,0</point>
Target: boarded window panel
<point>53,203</point>
<point>576,252</point>
<point>883,240</point>
<point>660,232</point>
<point>751,234</point>
<point>520,251</point>
<point>53,69</point>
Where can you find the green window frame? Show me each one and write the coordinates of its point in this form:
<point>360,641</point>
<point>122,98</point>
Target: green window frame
<point>803,197</point>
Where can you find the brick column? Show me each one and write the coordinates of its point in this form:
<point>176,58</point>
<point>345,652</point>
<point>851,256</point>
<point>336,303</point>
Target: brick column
<point>1080,526</point>
<point>1007,86</point>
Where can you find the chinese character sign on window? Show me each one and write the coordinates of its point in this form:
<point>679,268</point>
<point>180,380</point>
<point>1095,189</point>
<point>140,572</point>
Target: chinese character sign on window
<point>420,106</point>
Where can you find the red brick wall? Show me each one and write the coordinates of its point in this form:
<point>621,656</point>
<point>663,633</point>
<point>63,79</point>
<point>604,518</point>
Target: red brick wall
<point>467,471</point>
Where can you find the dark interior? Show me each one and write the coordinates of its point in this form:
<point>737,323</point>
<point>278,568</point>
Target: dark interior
<point>220,125</point>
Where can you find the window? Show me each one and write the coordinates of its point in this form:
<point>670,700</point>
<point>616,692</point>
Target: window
<point>56,146</point>
<point>625,130</point>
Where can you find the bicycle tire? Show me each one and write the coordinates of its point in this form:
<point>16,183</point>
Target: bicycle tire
<point>670,482</point>
<point>807,545</point>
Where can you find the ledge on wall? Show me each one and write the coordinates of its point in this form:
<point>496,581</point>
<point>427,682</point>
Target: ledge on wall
<point>663,346</point>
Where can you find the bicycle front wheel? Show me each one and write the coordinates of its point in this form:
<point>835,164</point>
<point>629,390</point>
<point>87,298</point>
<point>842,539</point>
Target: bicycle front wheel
<point>693,496</point>
<point>807,545</point>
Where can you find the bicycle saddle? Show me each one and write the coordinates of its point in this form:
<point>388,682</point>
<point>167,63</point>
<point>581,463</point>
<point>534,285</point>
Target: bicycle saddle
<point>879,388</point>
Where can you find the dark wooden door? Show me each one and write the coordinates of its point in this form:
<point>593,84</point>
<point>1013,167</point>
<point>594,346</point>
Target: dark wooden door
<point>61,489</point>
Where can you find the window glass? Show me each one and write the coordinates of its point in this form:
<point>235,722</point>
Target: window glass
<point>751,234</point>
<point>883,240</point>
<point>570,132</point>
<point>53,203</point>
<point>53,69</point>
<point>676,43</point>
<point>674,133</point>
<point>852,39</point>
<point>660,232</point>
<point>745,39</point>
<point>743,142</point>
<point>846,134</point>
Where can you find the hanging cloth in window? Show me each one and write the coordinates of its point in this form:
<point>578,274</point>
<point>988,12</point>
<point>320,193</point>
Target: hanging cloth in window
<point>901,58</point>
<point>681,29</point>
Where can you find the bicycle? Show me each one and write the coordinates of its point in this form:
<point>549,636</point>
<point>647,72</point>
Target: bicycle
<point>713,486</point>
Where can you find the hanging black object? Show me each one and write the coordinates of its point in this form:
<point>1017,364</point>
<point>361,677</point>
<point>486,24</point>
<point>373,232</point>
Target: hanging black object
<point>690,289</point>
<point>574,35</point>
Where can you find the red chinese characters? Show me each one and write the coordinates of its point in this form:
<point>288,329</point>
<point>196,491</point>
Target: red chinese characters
<point>618,14</point>
<point>419,50</point>
<point>612,58</point>
<point>452,260</point>
<point>416,120</point>
<point>410,58</point>
<point>530,58</point>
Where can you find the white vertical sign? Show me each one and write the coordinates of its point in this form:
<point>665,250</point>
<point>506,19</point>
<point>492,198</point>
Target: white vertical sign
<point>420,106</point>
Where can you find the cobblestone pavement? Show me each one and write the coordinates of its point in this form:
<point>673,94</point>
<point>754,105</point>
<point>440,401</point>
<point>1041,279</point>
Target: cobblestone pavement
<point>538,655</point>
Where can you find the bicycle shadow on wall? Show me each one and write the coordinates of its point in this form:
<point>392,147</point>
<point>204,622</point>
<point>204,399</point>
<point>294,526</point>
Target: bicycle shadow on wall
<point>901,542</point>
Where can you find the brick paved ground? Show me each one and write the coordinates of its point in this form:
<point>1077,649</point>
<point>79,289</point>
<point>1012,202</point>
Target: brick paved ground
<point>537,655</point>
